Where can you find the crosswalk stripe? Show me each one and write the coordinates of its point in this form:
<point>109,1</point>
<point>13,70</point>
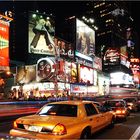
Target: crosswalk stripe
<point>135,134</point>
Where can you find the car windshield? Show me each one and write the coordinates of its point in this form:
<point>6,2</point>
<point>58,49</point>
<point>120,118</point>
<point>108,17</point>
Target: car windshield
<point>59,110</point>
<point>115,103</point>
<point>129,99</point>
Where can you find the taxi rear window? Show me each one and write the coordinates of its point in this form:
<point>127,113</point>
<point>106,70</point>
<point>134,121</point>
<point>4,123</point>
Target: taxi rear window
<point>59,110</point>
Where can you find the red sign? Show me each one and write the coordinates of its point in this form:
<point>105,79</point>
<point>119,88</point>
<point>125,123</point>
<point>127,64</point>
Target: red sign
<point>4,43</point>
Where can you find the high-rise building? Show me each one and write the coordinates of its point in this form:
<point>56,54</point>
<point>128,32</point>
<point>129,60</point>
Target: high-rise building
<point>113,21</point>
<point>114,38</point>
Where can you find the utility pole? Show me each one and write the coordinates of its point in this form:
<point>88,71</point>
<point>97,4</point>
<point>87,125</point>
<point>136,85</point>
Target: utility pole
<point>57,57</point>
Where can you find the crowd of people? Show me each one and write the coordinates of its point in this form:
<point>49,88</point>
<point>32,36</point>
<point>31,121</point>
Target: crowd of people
<point>19,95</point>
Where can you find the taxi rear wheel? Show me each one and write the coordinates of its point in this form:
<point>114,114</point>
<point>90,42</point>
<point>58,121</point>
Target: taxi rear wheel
<point>111,125</point>
<point>125,118</point>
<point>86,134</point>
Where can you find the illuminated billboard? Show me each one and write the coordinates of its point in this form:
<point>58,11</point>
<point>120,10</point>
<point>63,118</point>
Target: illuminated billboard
<point>50,70</point>
<point>4,43</point>
<point>41,34</point>
<point>85,74</point>
<point>97,63</point>
<point>85,39</point>
<point>67,72</point>
<point>26,74</point>
<point>123,55</point>
<point>74,74</point>
<point>112,56</point>
<point>64,49</point>
<point>120,78</point>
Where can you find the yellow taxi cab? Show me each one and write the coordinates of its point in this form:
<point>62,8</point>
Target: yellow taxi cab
<point>63,120</point>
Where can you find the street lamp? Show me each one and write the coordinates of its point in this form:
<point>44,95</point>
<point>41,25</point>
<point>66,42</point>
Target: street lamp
<point>104,85</point>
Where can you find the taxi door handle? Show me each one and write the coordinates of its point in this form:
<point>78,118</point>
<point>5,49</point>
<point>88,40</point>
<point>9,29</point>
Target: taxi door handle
<point>90,119</point>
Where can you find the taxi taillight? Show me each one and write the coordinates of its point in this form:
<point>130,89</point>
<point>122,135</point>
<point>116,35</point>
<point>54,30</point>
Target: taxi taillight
<point>15,124</point>
<point>59,129</point>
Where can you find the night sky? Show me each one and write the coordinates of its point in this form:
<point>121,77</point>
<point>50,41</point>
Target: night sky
<point>135,10</point>
<point>75,8</point>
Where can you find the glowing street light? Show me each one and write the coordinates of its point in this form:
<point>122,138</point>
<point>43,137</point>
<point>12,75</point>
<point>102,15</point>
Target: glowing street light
<point>8,73</point>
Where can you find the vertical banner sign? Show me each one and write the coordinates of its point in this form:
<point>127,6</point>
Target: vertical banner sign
<point>4,43</point>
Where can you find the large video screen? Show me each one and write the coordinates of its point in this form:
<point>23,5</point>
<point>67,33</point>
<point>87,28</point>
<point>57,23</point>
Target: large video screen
<point>4,43</point>
<point>41,34</point>
<point>86,74</point>
<point>85,39</point>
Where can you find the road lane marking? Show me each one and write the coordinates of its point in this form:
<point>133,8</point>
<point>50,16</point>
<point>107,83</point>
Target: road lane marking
<point>136,134</point>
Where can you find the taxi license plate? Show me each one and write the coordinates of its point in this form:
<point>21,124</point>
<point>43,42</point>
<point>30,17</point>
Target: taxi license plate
<point>35,128</point>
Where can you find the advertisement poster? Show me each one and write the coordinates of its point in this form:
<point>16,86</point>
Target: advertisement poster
<point>97,63</point>
<point>74,73</point>
<point>46,69</point>
<point>65,69</point>
<point>4,43</point>
<point>41,34</point>
<point>26,74</point>
<point>85,39</point>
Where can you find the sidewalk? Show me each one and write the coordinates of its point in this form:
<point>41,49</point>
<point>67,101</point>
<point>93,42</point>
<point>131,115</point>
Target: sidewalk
<point>12,111</point>
<point>7,102</point>
<point>18,108</point>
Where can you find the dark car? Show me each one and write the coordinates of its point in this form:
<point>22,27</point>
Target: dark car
<point>138,103</point>
<point>119,107</point>
<point>132,103</point>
